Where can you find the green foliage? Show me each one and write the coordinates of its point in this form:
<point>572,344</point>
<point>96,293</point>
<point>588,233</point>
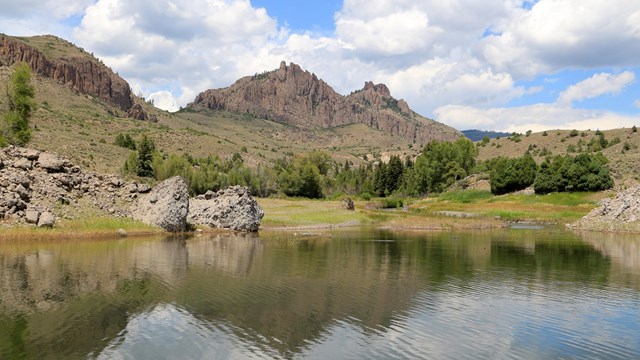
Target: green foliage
<point>125,141</point>
<point>634,129</point>
<point>512,174</point>
<point>301,180</point>
<point>21,104</point>
<point>392,202</point>
<point>574,133</point>
<point>585,172</point>
<point>465,197</point>
<point>440,165</point>
<point>146,149</point>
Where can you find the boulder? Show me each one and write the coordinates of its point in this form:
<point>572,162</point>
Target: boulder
<point>233,208</point>
<point>165,206</point>
<point>23,163</point>
<point>31,216</point>
<point>46,219</point>
<point>52,162</point>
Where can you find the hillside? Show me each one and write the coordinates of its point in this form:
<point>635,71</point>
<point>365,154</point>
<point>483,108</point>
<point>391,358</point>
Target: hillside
<point>623,149</point>
<point>294,97</point>
<point>74,119</point>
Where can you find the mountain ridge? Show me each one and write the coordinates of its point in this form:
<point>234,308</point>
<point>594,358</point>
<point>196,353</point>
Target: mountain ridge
<point>293,96</point>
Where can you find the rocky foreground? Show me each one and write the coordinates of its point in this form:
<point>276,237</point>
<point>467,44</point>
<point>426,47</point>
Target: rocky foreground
<point>621,213</point>
<point>40,188</point>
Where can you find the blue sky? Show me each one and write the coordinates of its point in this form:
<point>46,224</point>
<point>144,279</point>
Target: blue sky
<point>509,65</point>
<point>316,16</point>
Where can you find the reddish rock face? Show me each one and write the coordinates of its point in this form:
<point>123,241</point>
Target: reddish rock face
<point>82,74</point>
<point>296,97</point>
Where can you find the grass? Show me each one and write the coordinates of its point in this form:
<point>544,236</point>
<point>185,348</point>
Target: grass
<point>550,208</point>
<point>303,212</point>
<point>465,197</point>
<point>90,227</point>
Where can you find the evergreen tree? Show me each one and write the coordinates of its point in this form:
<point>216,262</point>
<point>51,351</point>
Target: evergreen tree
<point>21,104</point>
<point>146,149</point>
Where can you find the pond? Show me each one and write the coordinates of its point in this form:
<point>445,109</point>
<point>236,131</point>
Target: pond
<point>357,294</point>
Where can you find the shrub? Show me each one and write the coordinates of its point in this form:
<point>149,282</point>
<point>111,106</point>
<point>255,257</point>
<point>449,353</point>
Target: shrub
<point>392,202</point>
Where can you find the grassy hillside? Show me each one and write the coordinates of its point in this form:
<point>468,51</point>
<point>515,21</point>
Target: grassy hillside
<point>623,154</point>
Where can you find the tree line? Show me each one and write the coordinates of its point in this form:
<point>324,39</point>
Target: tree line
<point>316,174</point>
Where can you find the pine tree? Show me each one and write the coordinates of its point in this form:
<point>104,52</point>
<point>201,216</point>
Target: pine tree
<point>146,148</point>
<point>21,104</point>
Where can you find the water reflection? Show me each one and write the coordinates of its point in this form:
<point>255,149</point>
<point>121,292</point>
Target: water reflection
<point>361,294</point>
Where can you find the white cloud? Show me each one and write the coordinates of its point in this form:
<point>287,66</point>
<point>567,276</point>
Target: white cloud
<point>164,100</point>
<point>537,117</point>
<point>596,85</point>
<point>557,34</point>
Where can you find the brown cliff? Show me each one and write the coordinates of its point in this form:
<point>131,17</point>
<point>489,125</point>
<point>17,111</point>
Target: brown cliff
<point>292,96</point>
<point>74,68</point>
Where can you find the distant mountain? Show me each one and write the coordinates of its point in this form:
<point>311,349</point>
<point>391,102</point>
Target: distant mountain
<point>477,135</point>
<point>295,97</point>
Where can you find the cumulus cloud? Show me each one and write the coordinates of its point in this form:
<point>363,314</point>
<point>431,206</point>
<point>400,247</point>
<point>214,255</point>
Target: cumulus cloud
<point>596,85</point>
<point>537,117</point>
<point>557,34</point>
<point>558,115</point>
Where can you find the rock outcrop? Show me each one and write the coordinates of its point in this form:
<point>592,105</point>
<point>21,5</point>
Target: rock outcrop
<point>292,96</point>
<point>39,188</point>
<point>621,213</point>
<point>233,208</point>
<point>84,74</point>
<point>165,206</point>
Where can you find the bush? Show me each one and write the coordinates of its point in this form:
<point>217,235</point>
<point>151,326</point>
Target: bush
<point>585,172</point>
<point>512,174</point>
<point>125,141</point>
<point>392,202</point>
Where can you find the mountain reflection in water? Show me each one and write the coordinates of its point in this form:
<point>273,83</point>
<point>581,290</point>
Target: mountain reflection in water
<point>523,293</point>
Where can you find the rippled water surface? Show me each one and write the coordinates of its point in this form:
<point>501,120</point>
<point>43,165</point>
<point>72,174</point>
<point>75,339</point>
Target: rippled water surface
<point>516,293</point>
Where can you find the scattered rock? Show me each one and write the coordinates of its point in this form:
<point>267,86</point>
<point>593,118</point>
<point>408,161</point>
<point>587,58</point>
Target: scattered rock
<point>233,208</point>
<point>23,163</point>
<point>620,213</point>
<point>348,204</point>
<point>144,188</point>
<point>46,219</point>
<point>122,232</point>
<point>165,206</point>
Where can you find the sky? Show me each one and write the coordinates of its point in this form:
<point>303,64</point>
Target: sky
<point>507,65</point>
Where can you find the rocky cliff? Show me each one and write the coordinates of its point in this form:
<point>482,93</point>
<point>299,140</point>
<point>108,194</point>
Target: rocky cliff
<point>292,96</point>
<point>81,72</point>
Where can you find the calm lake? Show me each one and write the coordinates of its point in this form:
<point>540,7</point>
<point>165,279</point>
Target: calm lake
<point>529,293</point>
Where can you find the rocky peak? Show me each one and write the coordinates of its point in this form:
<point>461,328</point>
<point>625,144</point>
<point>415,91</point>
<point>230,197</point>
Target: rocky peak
<point>381,89</point>
<point>293,96</point>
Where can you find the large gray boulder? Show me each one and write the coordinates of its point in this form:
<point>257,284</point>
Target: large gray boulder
<point>233,208</point>
<point>53,162</point>
<point>165,206</point>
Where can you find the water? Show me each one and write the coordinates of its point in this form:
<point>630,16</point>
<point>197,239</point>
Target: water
<point>523,293</point>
